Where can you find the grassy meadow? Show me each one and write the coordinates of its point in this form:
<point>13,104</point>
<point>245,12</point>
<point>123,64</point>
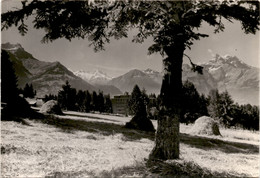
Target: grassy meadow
<point>87,145</point>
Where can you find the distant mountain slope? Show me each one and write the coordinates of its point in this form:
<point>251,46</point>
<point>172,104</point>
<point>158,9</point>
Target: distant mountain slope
<point>127,81</point>
<point>96,77</point>
<point>222,73</point>
<point>227,73</point>
<point>46,77</point>
<point>109,89</point>
<point>240,79</point>
<point>203,83</point>
<point>100,80</point>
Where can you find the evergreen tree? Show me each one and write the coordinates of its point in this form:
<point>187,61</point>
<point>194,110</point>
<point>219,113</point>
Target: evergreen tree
<point>193,105</point>
<point>16,106</point>
<point>9,91</point>
<point>49,97</point>
<point>94,101</point>
<point>80,100</point>
<point>108,104</point>
<point>28,91</point>
<point>220,106</point>
<point>67,97</point>
<point>100,102</point>
<point>173,25</point>
<point>87,102</point>
<point>137,102</point>
<point>246,116</point>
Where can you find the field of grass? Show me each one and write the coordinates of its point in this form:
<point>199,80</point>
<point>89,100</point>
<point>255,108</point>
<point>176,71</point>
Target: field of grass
<point>75,145</point>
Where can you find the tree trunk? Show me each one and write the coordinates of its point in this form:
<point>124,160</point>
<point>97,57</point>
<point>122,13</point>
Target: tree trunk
<point>167,136</point>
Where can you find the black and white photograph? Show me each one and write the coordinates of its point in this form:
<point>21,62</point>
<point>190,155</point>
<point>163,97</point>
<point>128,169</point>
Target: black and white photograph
<point>130,88</point>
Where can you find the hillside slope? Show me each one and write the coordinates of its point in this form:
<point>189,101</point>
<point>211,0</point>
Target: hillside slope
<point>46,77</point>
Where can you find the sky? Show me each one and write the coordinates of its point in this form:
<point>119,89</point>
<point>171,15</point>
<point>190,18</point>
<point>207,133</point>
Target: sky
<point>120,56</point>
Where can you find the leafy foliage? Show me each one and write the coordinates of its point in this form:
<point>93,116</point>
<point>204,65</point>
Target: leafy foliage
<point>100,20</point>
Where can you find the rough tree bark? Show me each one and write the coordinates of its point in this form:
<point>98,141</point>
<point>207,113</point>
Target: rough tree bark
<point>167,136</point>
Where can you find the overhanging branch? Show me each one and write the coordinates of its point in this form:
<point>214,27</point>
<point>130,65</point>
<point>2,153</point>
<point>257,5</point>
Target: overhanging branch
<point>195,67</point>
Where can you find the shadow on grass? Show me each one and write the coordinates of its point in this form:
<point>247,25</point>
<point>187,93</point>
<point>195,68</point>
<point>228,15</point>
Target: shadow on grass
<point>216,144</point>
<point>152,168</point>
<point>177,169</point>
<point>7,115</point>
<point>69,125</point>
<point>139,169</point>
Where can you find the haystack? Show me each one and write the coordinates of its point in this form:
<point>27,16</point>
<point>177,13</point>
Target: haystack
<point>205,125</point>
<point>140,123</point>
<point>51,107</point>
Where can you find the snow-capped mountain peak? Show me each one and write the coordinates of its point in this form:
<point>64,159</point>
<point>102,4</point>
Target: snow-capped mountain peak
<point>96,77</point>
<point>100,74</point>
<point>226,60</point>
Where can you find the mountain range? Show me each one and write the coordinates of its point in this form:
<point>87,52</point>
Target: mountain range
<point>222,73</point>
<point>47,77</point>
<point>96,77</point>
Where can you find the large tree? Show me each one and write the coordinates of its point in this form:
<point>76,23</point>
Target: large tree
<point>9,91</point>
<point>173,25</point>
<point>67,97</point>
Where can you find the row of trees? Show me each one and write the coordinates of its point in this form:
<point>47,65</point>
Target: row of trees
<point>222,106</point>
<point>70,99</point>
<point>218,105</point>
<point>28,91</point>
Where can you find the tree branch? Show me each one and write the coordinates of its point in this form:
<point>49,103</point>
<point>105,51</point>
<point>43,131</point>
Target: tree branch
<point>195,67</point>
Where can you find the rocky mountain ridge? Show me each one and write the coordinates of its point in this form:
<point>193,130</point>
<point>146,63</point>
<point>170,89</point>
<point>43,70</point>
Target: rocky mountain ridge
<point>222,73</point>
<point>95,77</point>
<point>47,77</point>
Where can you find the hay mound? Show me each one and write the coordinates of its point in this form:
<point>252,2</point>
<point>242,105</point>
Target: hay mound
<point>205,125</point>
<point>51,107</point>
<point>140,123</point>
